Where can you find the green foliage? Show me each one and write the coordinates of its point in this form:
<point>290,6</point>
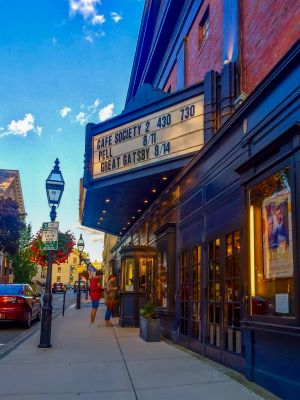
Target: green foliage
<point>24,268</point>
<point>148,311</point>
<point>10,226</point>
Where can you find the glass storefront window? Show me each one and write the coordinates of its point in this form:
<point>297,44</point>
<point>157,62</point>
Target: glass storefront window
<point>196,293</point>
<point>162,286</point>
<point>129,274</point>
<point>142,274</point>
<point>271,246</point>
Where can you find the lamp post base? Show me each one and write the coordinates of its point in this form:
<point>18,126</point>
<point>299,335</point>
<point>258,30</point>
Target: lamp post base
<point>44,346</point>
<point>78,303</point>
<point>45,338</point>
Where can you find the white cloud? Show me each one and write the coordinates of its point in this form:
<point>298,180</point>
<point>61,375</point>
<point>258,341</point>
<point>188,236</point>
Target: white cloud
<point>65,111</point>
<point>100,34</point>
<point>54,41</point>
<point>59,130</point>
<point>93,107</point>
<point>22,127</point>
<point>98,20</point>
<point>87,8</point>
<point>1,128</point>
<point>89,231</point>
<point>97,238</point>
<point>97,103</point>
<point>39,130</point>
<point>81,118</point>
<point>116,17</point>
<point>89,39</point>
<point>106,112</point>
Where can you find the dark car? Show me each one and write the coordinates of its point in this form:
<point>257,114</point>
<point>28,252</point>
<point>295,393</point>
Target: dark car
<point>58,288</point>
<point>82,286</point>
<point>18,302</point>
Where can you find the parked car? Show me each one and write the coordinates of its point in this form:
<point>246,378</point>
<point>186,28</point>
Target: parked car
<point>57,287</point>
<point>82,286</point>
<point>18,302</point>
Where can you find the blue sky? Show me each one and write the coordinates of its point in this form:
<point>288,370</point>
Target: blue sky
<point>63,63</point>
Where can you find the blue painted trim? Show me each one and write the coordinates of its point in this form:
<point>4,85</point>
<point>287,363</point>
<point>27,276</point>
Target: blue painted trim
<point>143,45</point>
<point>158,45</point>
<point>162,69</point>
<point>164,31</point>
<point>181,31</point>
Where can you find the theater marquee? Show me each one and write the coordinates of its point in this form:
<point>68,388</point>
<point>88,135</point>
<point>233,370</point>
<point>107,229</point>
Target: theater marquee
<point>165,135</point>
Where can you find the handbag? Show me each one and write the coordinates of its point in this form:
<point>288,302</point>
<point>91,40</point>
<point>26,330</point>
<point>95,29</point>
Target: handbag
<point>110,303</point>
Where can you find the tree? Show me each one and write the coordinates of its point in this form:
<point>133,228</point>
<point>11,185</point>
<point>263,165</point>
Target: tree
<point>66,242</point>
<point>24,268</point>
<point>11,226</point>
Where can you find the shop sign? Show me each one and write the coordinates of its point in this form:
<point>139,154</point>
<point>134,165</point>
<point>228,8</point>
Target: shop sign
<point>170,133</point>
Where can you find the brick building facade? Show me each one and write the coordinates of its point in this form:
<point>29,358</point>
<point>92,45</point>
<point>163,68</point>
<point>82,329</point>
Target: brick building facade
<point>210,236</point>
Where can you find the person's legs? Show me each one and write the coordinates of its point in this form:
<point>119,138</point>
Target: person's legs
<point>95,304</point>
<point>93,315</point>
<point>107,317</point>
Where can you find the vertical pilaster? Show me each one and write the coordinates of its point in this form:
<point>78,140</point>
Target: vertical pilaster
<point>210,104</point>
<point>227,90</point>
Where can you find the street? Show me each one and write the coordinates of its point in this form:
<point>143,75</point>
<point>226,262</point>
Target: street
<point>11,330</point>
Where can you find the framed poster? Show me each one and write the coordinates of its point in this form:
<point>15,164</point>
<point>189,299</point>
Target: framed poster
<point>277,235</point>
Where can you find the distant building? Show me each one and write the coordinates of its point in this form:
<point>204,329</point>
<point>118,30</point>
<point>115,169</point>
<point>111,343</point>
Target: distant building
<point>109,243</point>
<point>10,187</point>
<point>66,272</point>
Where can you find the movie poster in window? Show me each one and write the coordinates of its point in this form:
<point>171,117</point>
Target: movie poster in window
<point>277,235</point>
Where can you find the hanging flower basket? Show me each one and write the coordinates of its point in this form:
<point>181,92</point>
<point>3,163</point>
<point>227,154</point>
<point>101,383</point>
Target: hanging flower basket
<point>66,243</point>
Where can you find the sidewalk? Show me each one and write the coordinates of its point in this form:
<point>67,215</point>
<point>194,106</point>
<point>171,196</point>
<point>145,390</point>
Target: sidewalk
<point>111,363</point>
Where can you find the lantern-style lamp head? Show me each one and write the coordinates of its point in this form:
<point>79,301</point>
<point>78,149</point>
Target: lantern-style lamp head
<point>55,185</point>
<point>80,244</point>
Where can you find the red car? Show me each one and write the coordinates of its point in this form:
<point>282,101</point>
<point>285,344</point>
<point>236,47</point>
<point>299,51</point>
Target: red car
<point>18,302</point>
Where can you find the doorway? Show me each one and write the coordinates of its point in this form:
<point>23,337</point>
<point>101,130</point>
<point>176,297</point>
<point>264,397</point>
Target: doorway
<point>223,340</point>
<point>190,298</point>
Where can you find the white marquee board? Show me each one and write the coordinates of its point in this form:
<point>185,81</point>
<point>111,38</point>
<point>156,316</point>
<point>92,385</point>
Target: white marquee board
<point>164,135</point>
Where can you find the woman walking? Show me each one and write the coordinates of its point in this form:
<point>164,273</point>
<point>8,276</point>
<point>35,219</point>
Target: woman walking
<point>110,299</point>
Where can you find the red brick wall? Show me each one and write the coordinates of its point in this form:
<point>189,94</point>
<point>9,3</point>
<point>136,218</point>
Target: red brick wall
<point>199,61</point>
<point>171,80</point>
<point>270,27</point>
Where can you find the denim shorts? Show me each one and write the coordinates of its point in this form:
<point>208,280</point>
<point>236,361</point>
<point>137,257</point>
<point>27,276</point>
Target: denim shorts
<point>95,303</point>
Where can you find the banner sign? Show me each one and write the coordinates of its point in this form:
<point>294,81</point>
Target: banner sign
<point>164,135</point>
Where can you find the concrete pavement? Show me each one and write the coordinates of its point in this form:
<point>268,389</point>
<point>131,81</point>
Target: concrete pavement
<point>112,363</point>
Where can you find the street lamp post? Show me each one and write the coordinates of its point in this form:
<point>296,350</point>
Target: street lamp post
<point>87,262</point>
<point>80,247</point>
<point>54,186</point>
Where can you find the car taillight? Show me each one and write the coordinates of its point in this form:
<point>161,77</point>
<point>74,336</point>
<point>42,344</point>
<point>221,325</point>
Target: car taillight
<point>15,300</point>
